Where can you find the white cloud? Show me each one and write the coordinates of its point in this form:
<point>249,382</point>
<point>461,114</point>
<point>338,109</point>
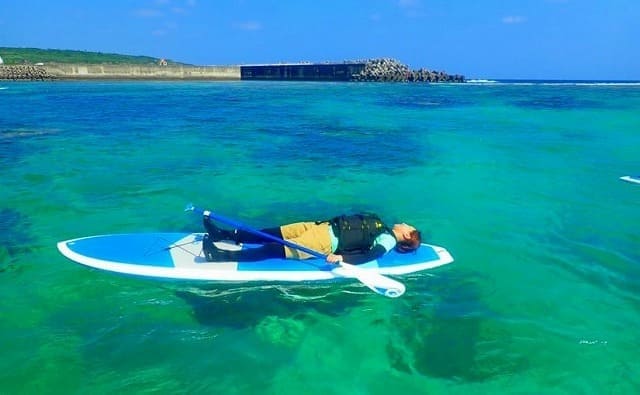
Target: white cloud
<point>411,8</point>
<point>167,29</point>
<point>162,7</point>
<point>165,10</point>
<point>147,13</point>
<point>185,8</point>
<point>409,3</point>
<point>249,25</point>
<point>513,19</point>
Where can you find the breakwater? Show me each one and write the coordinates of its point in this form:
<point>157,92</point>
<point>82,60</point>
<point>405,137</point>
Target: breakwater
<point>382,70</point>
<point>24,72</point>
<point>377,70</point>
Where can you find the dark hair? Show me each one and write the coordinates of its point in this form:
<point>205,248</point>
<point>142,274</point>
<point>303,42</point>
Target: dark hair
<point>410,245</point>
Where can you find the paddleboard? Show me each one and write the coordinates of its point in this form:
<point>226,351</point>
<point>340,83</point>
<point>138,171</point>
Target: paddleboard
<point>635,180</point>
<point>180,256</point>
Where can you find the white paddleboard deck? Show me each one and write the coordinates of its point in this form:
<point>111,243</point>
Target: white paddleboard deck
<point>179,256</point>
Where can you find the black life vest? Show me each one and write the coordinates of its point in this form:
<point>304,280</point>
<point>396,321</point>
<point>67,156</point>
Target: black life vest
<point>356,233</point>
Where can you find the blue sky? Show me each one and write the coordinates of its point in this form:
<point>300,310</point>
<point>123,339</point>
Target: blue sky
<point>537,39</point>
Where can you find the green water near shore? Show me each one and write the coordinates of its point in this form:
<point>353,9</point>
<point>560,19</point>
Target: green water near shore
<point>519,182</point>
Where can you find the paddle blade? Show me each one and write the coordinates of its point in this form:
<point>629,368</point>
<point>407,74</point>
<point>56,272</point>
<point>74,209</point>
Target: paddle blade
<point>378,283</point>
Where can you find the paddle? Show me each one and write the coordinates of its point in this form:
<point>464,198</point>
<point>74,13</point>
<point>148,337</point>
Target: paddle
<point>376,282</point>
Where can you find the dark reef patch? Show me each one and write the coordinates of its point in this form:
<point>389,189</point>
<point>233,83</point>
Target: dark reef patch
<point>331,147</point>
<point>14,237</point>
<point>246,307</point>
<point>556,102</point>
<point>426,98</point>
<point>456,340</point>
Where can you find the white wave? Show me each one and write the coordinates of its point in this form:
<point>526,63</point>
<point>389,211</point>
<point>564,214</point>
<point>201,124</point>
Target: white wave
<point>553,82</point>
<point>481,81</point>
<point>570,83</point>
<point>587,83</point>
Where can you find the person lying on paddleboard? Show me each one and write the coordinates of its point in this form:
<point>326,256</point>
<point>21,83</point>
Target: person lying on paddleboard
<point>353,239</point>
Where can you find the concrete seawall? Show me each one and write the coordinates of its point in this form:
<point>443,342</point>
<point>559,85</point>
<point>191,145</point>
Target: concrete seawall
<point>302,72</point>
<point>134,72</point>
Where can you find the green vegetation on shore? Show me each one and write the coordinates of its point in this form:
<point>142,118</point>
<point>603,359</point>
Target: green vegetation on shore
<point>36,55</point>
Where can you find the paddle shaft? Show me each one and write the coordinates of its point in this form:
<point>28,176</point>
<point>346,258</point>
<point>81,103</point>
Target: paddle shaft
<point>239,225</point>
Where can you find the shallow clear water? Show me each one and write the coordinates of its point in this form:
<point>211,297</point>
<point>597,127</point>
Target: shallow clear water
<point>518,181</point>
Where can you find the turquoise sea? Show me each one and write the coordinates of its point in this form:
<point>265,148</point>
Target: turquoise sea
<point>519,181</point>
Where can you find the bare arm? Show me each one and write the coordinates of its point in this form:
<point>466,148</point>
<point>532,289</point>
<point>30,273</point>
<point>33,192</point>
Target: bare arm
<point>357,259</point>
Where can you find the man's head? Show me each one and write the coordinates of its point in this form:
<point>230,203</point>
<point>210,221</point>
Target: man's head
<point>408,238</point>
